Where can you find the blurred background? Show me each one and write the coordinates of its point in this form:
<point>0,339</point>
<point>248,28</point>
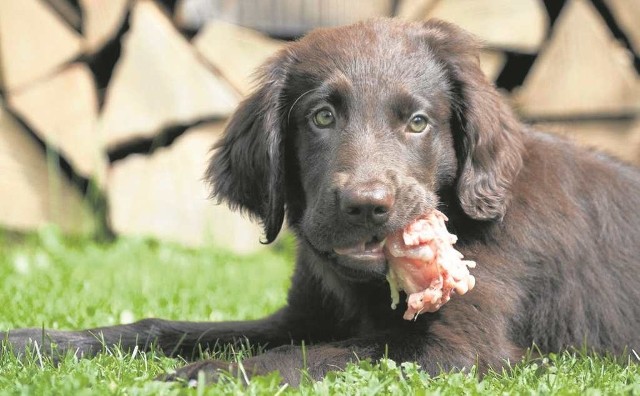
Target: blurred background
<point>108,108</point>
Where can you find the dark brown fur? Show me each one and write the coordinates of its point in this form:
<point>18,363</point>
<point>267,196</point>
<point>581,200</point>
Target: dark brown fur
<point>554,229</point>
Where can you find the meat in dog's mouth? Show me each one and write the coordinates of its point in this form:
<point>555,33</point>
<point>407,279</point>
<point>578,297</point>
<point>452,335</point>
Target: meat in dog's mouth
<point>372,249</point>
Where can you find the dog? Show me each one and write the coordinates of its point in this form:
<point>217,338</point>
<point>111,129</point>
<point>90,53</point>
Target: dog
<point>351,134</point>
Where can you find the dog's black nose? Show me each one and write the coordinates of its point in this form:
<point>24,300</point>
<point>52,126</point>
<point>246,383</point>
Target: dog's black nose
<point>367,203</point>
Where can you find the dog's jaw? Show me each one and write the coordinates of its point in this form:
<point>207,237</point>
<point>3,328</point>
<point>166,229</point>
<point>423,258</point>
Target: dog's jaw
<point>353,268</point>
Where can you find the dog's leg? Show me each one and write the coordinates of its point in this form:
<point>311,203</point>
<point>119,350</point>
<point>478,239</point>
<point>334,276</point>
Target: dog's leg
<point>467,332</point>
<point>433,352</point>
<point>185,339</point>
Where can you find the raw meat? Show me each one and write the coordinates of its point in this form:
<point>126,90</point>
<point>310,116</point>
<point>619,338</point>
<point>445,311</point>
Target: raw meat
<point>423,263</point>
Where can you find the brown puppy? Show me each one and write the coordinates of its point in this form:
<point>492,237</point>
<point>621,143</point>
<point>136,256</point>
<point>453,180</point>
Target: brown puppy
<point>354,132</point>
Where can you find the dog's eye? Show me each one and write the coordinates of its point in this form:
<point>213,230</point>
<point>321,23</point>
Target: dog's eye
<point>323,118</point>
<point>418,123</point>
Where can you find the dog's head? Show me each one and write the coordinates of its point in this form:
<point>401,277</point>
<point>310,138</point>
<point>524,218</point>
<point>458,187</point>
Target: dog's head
<point>355,131</point>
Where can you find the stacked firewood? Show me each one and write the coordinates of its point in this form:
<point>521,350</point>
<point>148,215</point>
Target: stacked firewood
<point>124,109</point>
<point>108,108</point>
<point>568,66</point>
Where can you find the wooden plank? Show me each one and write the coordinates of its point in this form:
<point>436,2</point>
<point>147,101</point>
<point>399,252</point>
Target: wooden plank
<point>159,82</point>
<point>519,26</point>
<point>582,71</point>
<point>102,20</point>
<point>627,14</point>
<point>235,51</point>
<point>32,192</point>
<point>163,195</point>
<point>63,110</point>
<point>34,41</point>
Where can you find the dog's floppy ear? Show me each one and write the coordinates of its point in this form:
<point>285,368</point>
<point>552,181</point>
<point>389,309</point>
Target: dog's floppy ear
<point>487,135</point>
<point>247,169</point>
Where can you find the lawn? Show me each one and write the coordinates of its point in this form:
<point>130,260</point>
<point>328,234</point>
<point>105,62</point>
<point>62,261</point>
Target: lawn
<point>57,282</point>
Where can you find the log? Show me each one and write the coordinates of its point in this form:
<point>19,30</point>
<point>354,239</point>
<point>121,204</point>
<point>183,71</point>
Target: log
<point>34,41</point>
<point>69,13</point>
<point>415,10</point>
<point>519,26</point>
<point>492,63</point>
<point>582,71</point>
<point>164,195</point>
<point>32,192</point>
<point>159,82</point>
<point>102,20</point>
<point>235,52</point>
<point>618,138</point>
<point>627,15</point>
<point>63,111</point>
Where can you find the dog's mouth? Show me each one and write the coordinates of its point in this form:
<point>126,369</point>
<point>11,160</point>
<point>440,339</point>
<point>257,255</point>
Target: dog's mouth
<point>362,261</point>
<point>366,250</point>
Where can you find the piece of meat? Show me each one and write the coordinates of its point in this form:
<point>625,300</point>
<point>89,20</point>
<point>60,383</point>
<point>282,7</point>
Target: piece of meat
<point>423,263</point>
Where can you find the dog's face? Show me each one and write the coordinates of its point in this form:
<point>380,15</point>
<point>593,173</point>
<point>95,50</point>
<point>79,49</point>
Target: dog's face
<point>355,131</point>
<point>369,125</point>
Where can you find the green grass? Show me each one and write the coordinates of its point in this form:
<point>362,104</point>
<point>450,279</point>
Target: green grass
<point>67,283</point>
